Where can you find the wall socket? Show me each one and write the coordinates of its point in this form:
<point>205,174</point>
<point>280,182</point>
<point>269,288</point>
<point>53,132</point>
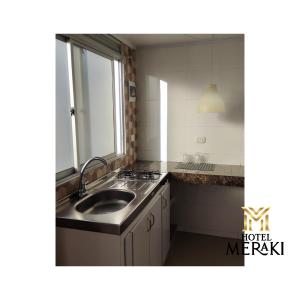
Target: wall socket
<point>200,139</point>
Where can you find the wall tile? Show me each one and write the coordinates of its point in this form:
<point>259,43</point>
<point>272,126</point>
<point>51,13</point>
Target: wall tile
<point>149,155</point>
<point>148,113</point>
<point>152,88</point>
<point>176,116</point>
<point>193,118</point>
<point>187,71</point>
<point>198,56</point>
<point>177,84</point>
<point>174,59</point>
<point>175,143</point>
<point>218,139</point>
<point>149,137</point>
<point>231,159</point>
<point>228,54</point>
<point>196,83</point>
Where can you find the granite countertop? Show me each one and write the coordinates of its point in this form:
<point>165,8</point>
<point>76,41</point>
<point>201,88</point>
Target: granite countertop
<point>231,175</point>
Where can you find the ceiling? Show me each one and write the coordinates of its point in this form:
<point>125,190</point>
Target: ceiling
<point>144,40</point>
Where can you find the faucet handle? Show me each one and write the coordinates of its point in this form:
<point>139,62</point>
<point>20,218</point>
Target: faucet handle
<point>81,183</point>
<point>83,186</point>
<point>82,189</point>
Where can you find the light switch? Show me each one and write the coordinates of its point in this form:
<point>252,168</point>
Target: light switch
<point>132,137</point>
<point>200,139</point>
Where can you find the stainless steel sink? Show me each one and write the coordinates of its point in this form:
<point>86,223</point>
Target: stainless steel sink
<point>109,207</point>
<point>105,201</point>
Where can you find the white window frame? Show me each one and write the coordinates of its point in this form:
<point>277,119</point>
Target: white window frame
<point>119,108</point>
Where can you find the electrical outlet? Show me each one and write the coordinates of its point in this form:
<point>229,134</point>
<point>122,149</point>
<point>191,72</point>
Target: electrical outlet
<point>200,139</point>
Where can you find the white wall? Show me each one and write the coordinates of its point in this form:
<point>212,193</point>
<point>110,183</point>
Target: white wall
<point>187,70</point>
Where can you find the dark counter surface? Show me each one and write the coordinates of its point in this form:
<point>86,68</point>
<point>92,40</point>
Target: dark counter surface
<point>230,175</point>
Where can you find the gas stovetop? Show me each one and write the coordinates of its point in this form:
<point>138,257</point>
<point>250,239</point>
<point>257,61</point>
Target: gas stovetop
<point>139,175</point>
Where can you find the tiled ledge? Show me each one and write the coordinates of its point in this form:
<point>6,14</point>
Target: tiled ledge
<point>229,175</point>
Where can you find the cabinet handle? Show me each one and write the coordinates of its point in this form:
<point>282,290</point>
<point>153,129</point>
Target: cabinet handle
<point>148,224</point>
<point>153,219</point>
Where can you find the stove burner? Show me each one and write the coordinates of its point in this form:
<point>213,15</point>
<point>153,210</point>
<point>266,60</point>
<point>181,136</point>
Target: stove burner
<point>139,174</point>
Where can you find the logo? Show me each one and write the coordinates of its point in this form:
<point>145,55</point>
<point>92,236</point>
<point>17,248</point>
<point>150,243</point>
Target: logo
<point>250,214</point>
<point>253,239</point>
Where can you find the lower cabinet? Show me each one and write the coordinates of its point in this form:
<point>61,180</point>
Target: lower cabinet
<point>139,238</point>
<point>148,242</point>
<point>165,220</point>
<point>155,234</point>
<point>146,237</point>
<point>145,242</point>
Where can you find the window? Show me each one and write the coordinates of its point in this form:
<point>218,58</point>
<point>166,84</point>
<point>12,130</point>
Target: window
<point>64,142</point>
<point>92,91</point>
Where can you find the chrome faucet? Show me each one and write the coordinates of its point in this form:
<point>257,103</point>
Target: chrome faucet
<point>82,189</point>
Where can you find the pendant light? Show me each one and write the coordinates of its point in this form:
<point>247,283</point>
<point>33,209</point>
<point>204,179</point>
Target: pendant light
<point>211,101</point>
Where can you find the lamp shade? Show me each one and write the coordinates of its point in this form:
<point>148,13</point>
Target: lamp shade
<point>211,101</point>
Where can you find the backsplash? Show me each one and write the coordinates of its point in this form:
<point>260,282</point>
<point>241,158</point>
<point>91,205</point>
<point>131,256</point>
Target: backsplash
<point>187,69</point>
<point>66,187</point>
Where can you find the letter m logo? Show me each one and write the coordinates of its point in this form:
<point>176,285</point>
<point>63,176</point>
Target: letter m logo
<point>250,215</point>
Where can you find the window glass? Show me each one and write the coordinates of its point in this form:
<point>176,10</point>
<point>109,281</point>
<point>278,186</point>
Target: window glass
<point>64,144</point>
<point>96,111</point>
<point>89,85</point>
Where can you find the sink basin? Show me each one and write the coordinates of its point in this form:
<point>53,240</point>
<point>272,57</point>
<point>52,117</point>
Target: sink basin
<point>105,201</point>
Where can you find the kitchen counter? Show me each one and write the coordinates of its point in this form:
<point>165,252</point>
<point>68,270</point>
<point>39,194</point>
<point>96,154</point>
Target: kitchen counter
<point>228,175</point>
<point>114,222</point>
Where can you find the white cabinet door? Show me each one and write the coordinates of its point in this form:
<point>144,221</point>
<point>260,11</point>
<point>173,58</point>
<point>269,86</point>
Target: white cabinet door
<point>165,203</point>
<point>128,259</point>
<point>146,237</point>
<point>155,233</point>
<point>141,243</point>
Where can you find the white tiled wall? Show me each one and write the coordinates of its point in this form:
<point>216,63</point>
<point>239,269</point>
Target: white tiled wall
<point>187,70</point>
